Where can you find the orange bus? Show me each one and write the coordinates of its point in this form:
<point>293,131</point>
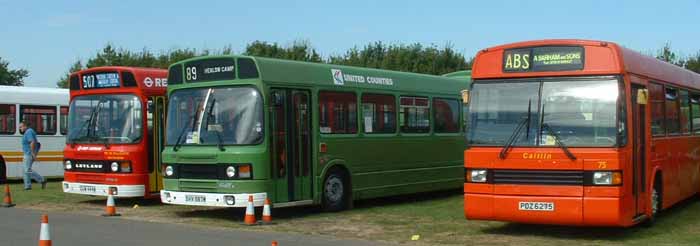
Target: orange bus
<point>578,132</point>
<point>115,132</point>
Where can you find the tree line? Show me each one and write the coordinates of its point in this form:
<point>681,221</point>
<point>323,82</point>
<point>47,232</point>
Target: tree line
<point>408,58</point>
<point>418,58</point>
<point>14,77</point>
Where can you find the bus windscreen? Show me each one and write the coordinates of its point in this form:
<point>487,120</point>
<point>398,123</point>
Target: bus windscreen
<point>583,113</point>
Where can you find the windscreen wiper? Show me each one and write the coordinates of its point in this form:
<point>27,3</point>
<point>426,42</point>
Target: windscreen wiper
<point>105,141</point>
<point>558,141</point>
<point>176,147</point>
<point>74,137</point>
<point>96,113</point>
<point>86,125</point>
<point>220,144</point>
<point>221,141</point>
<point>93,115</point>
<point>516,133</point>
<point>513,137</point>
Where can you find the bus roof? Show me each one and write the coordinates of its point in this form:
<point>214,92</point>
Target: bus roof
<point>599,58</point>
<point>33,95</point>
<point>464,74</point>
<point>150,81</point>
<point>319,74</point>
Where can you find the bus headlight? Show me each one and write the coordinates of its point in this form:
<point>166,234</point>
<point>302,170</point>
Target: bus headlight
<point>169,171</point>
<point>230,171</point>
<point>114,166</point>
<point>607,178</point>
<point>477,175</point>
<point>68,165</point>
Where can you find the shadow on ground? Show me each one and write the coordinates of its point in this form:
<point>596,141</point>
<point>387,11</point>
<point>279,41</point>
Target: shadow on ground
<point>611,234</point>
<point>127,201</point>
<point>290,213</point>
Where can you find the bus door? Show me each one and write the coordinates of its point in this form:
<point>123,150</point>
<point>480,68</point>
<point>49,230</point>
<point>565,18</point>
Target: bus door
<point>156,119</point>
<point>291,144</point>
<point>639,151</point>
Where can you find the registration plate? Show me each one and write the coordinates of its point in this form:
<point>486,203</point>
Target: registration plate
<point>536,206</point>
<point>87,188</point>
<point>195,198</point>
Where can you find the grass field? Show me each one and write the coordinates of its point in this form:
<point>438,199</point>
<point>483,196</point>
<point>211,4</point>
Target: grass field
<point>438,220</point>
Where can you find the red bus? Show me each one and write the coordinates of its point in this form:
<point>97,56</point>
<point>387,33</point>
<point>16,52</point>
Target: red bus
<point>115,133</point>
<point>578,132</point>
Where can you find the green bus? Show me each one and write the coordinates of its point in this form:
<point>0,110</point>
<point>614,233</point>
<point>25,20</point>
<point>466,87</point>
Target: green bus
<point>302,133</point>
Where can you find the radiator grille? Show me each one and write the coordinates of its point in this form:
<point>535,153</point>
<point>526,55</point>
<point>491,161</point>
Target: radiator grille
<point>198,171</point>
<point>90,166</point>
<point>540,177</point>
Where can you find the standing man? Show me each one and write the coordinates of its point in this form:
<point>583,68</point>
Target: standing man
<point>30,147</point>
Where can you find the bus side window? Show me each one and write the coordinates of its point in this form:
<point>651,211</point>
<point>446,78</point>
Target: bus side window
<point>656,99</point>
<point>414,116</point>
<point>338,112</point>
<point>685,112</point>
<point>446,114</point>
<point>672,116</point>
<point>41,118</point>
<point>8,115</point>
<point>378,113</point>
<point>695,112</point>
<point>64,120</point>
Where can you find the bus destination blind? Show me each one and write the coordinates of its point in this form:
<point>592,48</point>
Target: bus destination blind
<point>210,70</point>
<point>101,80</point>
<point>543,59</point>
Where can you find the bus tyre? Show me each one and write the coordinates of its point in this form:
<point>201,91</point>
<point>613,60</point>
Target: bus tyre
<point>655,203</point>
<point>335,191</point>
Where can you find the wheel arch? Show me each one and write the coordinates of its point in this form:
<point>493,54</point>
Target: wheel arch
<point>341,165</point>
<point>657,178</point>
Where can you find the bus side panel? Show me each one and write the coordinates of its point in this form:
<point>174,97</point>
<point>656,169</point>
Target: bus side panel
<point>389,165</point>
<point>680,172</point>
<point>48,163</point>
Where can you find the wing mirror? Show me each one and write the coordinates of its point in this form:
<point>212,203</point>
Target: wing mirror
<point>465,96</point>
<point>642,96</point>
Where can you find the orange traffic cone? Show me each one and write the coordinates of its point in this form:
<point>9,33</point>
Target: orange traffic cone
<point>274,243</point>
<point>267,215</point>
<point>250,212</point>
<point>45,233</point>
<point>110,210</point>
<point>7,201</point>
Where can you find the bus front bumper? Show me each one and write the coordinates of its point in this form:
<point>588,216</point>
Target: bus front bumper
<point>211,199</point>
<point>576,211</point>
<point>103,189</point>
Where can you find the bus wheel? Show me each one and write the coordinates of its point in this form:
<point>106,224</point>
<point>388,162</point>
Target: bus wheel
<point>655,198</point>
<point>335,191</point>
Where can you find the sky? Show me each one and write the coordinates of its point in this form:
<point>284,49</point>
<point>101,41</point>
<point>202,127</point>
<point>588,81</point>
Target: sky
<point>46,37</point>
